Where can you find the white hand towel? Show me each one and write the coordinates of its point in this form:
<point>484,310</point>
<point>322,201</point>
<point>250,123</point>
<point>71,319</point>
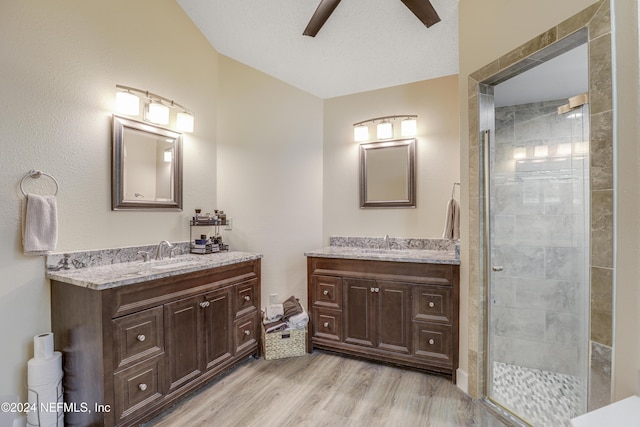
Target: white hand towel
<point>452,225</point>
<point>273,312</point>
<point>40,232</point>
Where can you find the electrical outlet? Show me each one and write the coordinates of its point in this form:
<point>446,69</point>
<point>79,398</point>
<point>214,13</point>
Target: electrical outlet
<point>229,225</point>
<point>273,298</point>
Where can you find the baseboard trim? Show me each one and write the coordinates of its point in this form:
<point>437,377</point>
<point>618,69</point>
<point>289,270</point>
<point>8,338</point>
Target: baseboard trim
<point>462,380</point>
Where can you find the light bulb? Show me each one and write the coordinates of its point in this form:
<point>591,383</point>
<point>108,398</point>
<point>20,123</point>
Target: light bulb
<point>127,103</point>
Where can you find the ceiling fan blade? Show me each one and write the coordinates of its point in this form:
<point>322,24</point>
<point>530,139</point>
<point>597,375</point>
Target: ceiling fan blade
<point>423,10</point>
<point>320,16</point>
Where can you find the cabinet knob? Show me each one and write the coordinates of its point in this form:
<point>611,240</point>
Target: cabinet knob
<point>247,332</point>
<point>247,298</point>
<point>141,337</point>
<point>325,324</point>
<point>432,304</point>
<point>142,387</point>
<point>377,289</point>
<point>205,304</point>
<point>431,341</point>
<point>373,289</point>
<point>325,292</point>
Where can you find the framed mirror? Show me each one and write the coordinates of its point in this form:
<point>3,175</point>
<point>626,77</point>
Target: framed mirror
<point>388,174</point>
<point>146,170</point>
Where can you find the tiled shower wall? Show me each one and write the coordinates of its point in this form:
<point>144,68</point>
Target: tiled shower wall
<point>540,202</point>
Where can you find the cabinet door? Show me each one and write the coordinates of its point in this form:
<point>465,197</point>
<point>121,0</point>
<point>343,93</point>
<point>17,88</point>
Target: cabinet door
<point>183,323</point>
<point>359,318</point>
<point>393,315</point>
<point>218,335</point>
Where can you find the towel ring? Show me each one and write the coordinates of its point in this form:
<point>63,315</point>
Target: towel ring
<point>37,174</point>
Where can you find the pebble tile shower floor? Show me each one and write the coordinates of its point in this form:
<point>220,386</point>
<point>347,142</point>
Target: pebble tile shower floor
<point>543,399</point>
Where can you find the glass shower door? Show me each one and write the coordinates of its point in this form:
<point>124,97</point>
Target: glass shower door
<point>538,274</point>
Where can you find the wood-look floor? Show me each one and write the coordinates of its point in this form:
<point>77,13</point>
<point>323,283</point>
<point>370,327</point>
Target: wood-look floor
<point>324,389</point>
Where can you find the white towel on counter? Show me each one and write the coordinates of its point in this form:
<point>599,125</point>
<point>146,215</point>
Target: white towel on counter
<point>452,224</point>
<point>40,230</point>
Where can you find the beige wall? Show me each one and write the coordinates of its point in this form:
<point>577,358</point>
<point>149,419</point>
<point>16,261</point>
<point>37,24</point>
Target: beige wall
<point>60,63</point>
<point>270,173</point>
<point>626,361</point>
<point>436,104</point>
<point>492,28</point>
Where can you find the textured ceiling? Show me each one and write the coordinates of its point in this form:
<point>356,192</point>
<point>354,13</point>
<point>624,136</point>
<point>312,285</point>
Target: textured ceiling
<point>364,45</point>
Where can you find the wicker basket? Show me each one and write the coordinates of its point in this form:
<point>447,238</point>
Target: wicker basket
<point>290,343</point>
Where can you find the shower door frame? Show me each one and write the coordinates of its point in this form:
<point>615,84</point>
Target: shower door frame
<point>593,26</point>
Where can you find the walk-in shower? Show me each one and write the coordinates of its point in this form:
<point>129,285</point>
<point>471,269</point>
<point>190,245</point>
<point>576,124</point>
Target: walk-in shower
<point>537,236</point>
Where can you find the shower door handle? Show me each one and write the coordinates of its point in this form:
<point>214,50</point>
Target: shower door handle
<point>497,268</point>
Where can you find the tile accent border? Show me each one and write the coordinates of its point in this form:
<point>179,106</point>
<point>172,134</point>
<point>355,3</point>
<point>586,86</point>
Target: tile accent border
<point>592,25</point>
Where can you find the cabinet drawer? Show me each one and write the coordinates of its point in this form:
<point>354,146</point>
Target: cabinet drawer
<point>246,334</point>
<point>327,292</point>
<point>434,342</point>
<point>327,324</point>
<point>433,304</point>
<point>137,336</point>
<point>245,298</point>
<point>138,387</point>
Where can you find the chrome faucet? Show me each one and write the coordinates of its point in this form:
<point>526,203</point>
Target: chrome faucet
<point>161,245</point>
<point>386,242</point>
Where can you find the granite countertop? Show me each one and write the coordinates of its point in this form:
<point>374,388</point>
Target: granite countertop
<point>102,277</point>
<point>427,256</point>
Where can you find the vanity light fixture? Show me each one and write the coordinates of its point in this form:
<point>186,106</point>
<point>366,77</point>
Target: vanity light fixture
<point>361,133</point>
<point>520,153</point>
<point>168,155</point>
<point>127,103</point>
<point>408,127</point>
<point>384,128</point>
<point>540,151</point>
<point>184,121</point>
<point>157,109</point>
<point>156,112</point>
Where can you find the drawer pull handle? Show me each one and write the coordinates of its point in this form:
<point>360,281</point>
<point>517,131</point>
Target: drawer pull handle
<point>142,387</point>
<point>325,292</point>
<point>432,304</point>
<point>497,268</point>
<point>247,298</point>
<point>325,324</point>
<point>141,337</point>
<point>431,341</point>
<point>247,332</point>
<point>205,304</point>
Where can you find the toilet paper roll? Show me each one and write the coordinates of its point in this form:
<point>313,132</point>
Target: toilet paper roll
<point>44,371</point>
<point>43,346</point>
<point>44,399</point>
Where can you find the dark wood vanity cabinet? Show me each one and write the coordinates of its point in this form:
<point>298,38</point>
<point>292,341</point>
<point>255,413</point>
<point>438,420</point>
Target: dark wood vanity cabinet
<point>396,312</point>
<point>138,348</point>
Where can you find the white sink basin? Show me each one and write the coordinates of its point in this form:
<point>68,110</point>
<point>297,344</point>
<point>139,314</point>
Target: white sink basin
<point>380,251</point>
<point>174,265</point>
